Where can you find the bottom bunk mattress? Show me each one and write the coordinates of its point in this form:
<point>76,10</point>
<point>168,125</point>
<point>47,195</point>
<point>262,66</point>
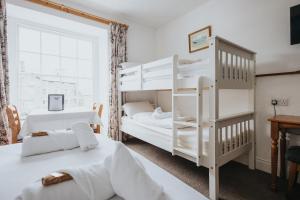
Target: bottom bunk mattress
<point>159,136</point>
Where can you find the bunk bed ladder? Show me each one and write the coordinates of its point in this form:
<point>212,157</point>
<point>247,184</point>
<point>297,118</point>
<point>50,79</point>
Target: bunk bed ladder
<point>193,155</point>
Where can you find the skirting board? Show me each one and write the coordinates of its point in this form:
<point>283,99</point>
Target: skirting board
<point>263,165</point>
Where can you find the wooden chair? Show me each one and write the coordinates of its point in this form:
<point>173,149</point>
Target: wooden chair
<point>99,109</point>
<point>284,132</point>
<point>13,122</point>
<point>293,156</point>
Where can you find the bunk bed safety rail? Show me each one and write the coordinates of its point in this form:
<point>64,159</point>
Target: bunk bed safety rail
<point>157,74</point>
<point>234,132</point>
<point>130,79</point>
<point>235,65</point>
<point>158,63</point>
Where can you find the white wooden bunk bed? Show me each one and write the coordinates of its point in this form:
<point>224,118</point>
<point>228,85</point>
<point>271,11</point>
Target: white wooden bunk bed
<point>215,140</point>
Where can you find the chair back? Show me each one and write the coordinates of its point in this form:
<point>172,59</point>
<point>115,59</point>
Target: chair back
<point>14,122</point>
<point>99,109</point>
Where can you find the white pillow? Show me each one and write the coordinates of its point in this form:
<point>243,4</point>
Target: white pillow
<point>136,107</point>
<point>126,65</point>
<point>130,180</point>
<point>85,136</point>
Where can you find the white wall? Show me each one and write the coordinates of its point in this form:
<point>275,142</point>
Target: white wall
<point>262,26</point>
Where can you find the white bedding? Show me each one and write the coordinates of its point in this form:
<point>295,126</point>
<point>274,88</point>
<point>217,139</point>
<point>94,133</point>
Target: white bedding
<point>90,182</point>
<point>17,172</point>
<point>187,137</point>
<point>148,119</point>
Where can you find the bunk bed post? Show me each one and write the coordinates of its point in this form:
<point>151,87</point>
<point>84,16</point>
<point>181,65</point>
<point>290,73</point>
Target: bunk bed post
<point>199,117</point>
<point>251,156</point>
<point>174,90</point>
<point>213,116</point>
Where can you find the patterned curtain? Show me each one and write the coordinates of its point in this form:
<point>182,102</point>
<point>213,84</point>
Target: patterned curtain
<point>3,73</point>
<point>118,43</point>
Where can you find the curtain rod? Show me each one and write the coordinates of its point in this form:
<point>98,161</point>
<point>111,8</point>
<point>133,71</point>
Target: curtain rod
<point>73,11</point>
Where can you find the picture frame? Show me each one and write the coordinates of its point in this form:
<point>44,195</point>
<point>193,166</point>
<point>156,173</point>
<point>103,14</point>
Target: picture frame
<point>199,39</point>
<point>56,102</point>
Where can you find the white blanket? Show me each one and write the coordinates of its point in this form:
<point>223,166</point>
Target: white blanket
<point>164,122</point>
<point>159,114</point>
<point>62,191</point>
<point>85,135</point>
<point>146,118</point>
<point>55,141</point>
<point>121,173</point>
<point>130,180</point>
<point>91,182</point>
<point>94,180</point>
<point>17,173</point>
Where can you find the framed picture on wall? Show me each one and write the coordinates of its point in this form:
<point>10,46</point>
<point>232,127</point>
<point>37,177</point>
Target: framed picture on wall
<point>56,102</point>
<point>199,40</point>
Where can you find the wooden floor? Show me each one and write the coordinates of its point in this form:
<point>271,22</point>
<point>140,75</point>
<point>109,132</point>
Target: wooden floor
<point>237,182</point>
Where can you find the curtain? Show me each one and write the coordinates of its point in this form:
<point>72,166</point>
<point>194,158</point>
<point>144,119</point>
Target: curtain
<point>3,74</point>
<point>118,43</point>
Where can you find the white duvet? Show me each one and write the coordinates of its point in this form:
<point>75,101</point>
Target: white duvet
<point>120,174</point>
<point>146,118</point>
<point>17,172</point>
<point>164,122</point>
<point>91,182</point>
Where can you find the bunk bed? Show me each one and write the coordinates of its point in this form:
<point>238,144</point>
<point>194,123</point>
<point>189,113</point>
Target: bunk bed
<point>210,141</point>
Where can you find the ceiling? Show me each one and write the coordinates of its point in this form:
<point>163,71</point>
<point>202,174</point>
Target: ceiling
<point>153,13</point>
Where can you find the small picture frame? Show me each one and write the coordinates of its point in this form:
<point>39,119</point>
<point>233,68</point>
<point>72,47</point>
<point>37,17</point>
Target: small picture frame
<point>199,40</point>
<point>56,102</point>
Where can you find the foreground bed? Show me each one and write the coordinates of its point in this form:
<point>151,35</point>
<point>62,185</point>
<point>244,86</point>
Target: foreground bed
<point>17,172</point>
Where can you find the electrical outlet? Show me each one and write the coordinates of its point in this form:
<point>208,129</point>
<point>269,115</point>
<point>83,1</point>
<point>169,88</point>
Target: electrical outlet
<point>283,102</point>
<point>280,101</point>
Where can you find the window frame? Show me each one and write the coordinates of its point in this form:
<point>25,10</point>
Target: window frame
<point>15,24</point>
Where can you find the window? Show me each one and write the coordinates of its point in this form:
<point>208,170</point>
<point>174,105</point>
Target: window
<point>53,62</point>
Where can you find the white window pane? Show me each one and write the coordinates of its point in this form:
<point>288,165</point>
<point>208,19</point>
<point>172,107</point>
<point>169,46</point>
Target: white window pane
<point>50,65</point>
<point>55,87</point>
<point>68,47</point>
<point>68,67</point>
<point>85,87</point>
<point>49,79</point>
<point>27,107</point>
<point>60,65</point>
<point>85,49</point>
<point>29,62</point>
<point>85,68</point>
<point>29,93</point>
<point>29,80</point>
<point>50,43</point>
<point>29,40</point>
<point>69,90</point>
<point>85,101</point>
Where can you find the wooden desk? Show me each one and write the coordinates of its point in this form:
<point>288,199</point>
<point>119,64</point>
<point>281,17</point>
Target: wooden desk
<point>279,124</point>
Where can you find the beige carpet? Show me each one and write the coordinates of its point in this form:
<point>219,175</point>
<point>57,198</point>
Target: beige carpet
<point>237,182</point>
